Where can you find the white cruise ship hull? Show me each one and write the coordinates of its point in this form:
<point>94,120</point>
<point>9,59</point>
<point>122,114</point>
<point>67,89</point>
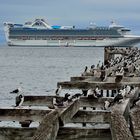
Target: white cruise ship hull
<point>125,41</point>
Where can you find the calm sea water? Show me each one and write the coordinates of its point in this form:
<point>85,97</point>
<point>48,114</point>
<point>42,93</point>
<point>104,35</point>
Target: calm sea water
<point>38,69</point>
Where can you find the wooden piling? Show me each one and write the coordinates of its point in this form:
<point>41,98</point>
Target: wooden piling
<point>107,93</point>
<point>48,128</point>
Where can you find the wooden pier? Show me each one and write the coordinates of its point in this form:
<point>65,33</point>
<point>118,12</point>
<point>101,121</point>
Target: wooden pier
<point>82,118</point>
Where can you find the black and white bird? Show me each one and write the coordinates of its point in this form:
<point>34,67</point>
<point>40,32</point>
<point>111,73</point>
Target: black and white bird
<point>58,90</point>
<point>77,95</point>
<point>19,100</point>
<point>85,71</point>
<point>118,98</point>
<point>16,90</point>
<point>57,103</point>
<point>66,97</point>
<point>107,104</point>
<point>61,103</point>
<point>91,94</point>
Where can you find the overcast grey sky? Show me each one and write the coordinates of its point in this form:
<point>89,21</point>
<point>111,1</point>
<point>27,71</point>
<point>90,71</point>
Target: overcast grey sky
<point>72,12</point>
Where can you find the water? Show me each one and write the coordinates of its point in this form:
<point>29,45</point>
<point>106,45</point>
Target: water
<point>38,69</point>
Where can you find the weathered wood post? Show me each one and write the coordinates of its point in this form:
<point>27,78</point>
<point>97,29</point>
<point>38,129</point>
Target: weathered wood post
<point>101,92</point>
<point>48,128</point>
<point>84,108</point>
<point>119,125</point>
<point>113,92</point>
<point>107,93</point>
<point>67,113</point>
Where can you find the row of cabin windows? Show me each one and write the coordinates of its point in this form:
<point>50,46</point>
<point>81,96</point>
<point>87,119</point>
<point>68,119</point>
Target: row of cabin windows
<point>55,38</point>
<point>63,32</point>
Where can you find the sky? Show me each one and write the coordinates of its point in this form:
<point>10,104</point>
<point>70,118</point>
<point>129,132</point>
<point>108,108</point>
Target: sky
<point>72,12</point>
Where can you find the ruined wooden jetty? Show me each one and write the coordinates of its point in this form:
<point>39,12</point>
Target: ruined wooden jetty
<point>83,118</point>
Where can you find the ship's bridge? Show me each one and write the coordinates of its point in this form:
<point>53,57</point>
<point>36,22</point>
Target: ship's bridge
<point>121,29</point>
<point>38,23</point>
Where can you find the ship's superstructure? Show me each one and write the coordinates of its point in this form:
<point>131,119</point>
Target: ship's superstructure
<point>40,33</point>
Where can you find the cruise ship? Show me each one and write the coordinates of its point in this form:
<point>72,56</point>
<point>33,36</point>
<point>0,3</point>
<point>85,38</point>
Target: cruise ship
<point>40,33</point>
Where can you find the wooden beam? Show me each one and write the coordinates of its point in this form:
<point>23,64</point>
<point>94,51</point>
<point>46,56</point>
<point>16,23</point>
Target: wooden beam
<point>108,79</point>
<point>96,116</point>
<point>39,101</point>
<point>85,78</point>
<point>135,121</point>
<point>21,114</point>
<point>90,84</point>
<point>15,133</point>
<point>48,128</point>
<point>87,102</point>
<point>122,106</point>
<point>67,113</point>
<point>84,101</point>
<point>118,125</point>
<point>79,78</point>
<point>70,133</point>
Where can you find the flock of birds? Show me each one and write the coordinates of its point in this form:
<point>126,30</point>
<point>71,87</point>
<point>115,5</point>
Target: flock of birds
<point>91,93</point>
<point>63,102</point>
<point>128,64</point>
<point>96,93</point>
<point>122,94</point>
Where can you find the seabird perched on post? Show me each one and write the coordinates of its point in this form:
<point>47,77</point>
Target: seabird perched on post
<point>58,90</point>
<point>57,103</point>
<point>127,89</point>
<point>134,103</point>
<point>61,103</point>
<point>77,95</point>
<point>19,100</point>
<point>66,97</point>
<point>86,68</point>
<point>98,65</point>
<point>85,71</point>
<point>98,92</point>
<point>16,90</point>
<point>107,105</point>
<point>118,97</point>
<point>91,94</point>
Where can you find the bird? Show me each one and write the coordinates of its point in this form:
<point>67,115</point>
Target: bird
<point>91,94</point>
<point>134,103</point>
<point>58,90</point>
<point>107,105</point>
<point>19,100</point>
<point>127,89</point>
<point>86,68</point>
<point>77,95</point>
<point>57,103</point>
<point>16,90</point>
<point>66,97</point>
<point>85,71</point>
<point>26,123</point>
<point>123,92</point>
<point>117,98</point>
<point>61,103</point>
